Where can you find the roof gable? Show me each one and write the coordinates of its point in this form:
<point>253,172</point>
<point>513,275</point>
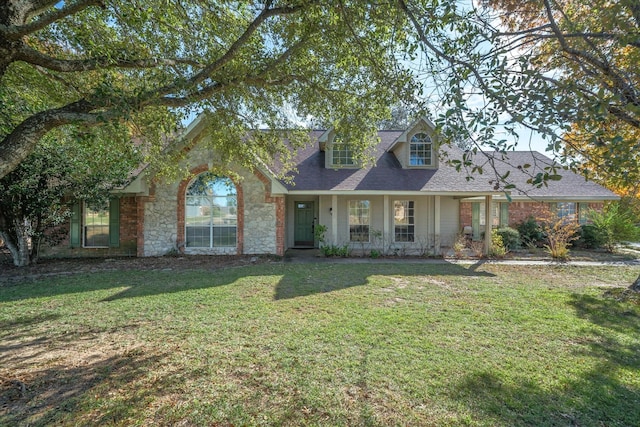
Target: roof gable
<point>422,123</point>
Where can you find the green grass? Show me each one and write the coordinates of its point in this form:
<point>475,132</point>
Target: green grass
<point>323,344</point>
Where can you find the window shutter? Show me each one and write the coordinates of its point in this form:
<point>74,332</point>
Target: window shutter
<point>114,222</point>
<point>475,220</point>
<point>504,214</point>
<point>75,226</point>
<point>553,208</point>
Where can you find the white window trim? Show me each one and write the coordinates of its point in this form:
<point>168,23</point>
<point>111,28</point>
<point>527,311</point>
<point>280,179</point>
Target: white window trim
<point>211,224</point>
<point>349,221</point>
<point>414,222</point>
<point>431,163</point>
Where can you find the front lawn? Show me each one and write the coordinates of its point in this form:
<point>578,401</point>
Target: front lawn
<point>322,344</point>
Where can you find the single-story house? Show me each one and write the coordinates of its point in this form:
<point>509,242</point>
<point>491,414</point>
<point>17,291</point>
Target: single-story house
<point>410,200</point>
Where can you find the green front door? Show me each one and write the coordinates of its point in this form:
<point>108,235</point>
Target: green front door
<point>303,223</point>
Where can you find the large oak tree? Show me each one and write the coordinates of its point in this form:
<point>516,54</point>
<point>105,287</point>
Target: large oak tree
<point>147,63</point>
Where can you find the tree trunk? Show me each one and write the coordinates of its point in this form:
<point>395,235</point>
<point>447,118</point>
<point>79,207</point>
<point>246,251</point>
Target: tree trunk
<point>18,246</point>
<point>24,257</point>
<point>635,286</point>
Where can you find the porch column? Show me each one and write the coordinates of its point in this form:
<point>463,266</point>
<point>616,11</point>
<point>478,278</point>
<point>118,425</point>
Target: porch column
<point>334,219</point>
<point>385,222</point>
<point>436,226</point>
<point>488,214</point>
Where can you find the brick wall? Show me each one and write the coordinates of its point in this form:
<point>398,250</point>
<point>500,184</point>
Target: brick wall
<point>465,214</point>
<point>128,236</point>
<point>518,211</point>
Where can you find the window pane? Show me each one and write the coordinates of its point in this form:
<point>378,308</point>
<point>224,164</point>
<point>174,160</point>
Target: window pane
<point>211,212</point>
<point>420,150</point>
<point>567,210</point>
<point>198,237</point>
<point>342,154</point>
<point>198,211</point>
<point>358,220</point>
<point>208,184</point>
<point>96,235</point>
<point>495,206</point>
<point>96,226</point>
<point>224,236</point>
<point>404,221</point>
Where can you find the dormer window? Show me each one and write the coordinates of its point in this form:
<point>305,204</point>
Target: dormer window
<point>420,150</point>
<point>341,154</point>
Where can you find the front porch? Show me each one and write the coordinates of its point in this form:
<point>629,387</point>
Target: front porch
<point>398,224</point>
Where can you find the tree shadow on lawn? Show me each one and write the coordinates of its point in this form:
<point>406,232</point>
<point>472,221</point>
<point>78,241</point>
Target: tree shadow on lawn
<point>295,280</point>
<point>596,397</point>
<point>66,391</point>
<point>319,279</point>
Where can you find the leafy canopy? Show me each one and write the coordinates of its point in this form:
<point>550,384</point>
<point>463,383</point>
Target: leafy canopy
<point>146,65</point>
<point>497,69</point>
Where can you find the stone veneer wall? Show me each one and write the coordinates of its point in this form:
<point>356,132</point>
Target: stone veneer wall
<point>160,221</point>
<point>260,218</point>
<point>263,217</point>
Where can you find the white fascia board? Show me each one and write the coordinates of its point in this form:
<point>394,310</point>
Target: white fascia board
<point>137,186</point>
<point>324,138</point>
<point>194,127</point>
<point>276,186</point>
<point>502,197</point>
<point>383,193</point>
<point>565,198</point>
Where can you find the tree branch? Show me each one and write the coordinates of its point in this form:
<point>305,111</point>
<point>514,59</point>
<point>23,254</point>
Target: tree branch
<point>32,56</point>
<point>624,89</point>
<point>242,40</point>
<point>38,7</point>
<point>67,10</point>
<point>22,140</point>
<point>257,79</point>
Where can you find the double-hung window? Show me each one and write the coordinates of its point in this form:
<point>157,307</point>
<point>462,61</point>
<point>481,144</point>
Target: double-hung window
<point>566,211</point>
<point>495,208</point>
<point>95,226</point>
<point>404,220</point>
<point>359,220</point>
<point>420,150</point>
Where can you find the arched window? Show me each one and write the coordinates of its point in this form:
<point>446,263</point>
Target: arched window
<point>211,212</point>
<point>420,150</point>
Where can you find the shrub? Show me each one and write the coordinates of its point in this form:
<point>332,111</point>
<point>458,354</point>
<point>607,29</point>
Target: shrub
<point>616,224</point>
<point>334,250</point>
<point>498,249</point>
<point>459,245</point>
<point>319,232</point>
<point>510,237</point>
<point>591,237</point>
<point>477,248</point>
<point>531,233</point>
<point>560,233</point>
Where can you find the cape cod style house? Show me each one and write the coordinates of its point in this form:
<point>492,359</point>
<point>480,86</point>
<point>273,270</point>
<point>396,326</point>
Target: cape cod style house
<point>409,201</point>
